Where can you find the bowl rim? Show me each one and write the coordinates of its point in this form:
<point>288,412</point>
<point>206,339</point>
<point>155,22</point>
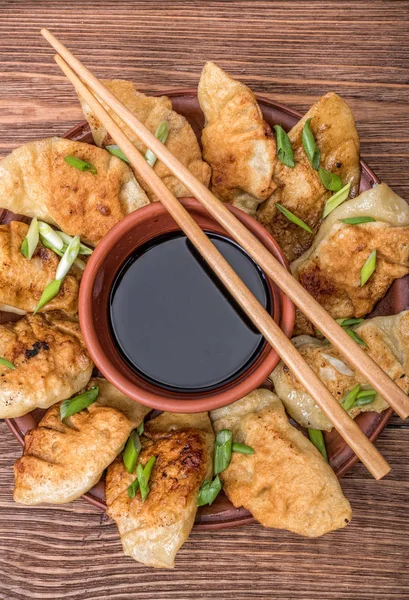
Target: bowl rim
<point>221,397</point>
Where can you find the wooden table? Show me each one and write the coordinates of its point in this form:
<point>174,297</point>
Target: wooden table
<point>294,52</point>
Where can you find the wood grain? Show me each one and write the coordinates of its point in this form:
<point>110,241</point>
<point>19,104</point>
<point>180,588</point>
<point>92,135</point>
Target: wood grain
<point>293,52</point>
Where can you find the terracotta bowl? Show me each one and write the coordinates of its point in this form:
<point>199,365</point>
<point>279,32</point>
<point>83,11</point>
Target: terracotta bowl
<point>132,232</point>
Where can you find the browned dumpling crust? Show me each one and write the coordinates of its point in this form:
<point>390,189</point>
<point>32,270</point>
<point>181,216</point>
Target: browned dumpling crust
<point>64,459</point>
<point>153,531</point>
<point>152,111</point>
<point>387,343</point>
<point>331,269</point>
<point>35,181</point>
<point>299,189</point>
<point>22,281</point>
<point>51,363</point>
<point>286,483</point>
<point>237,143</point>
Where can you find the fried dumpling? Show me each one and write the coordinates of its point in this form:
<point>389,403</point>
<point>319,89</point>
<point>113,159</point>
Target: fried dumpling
<point>35,181</point>
<point>153,531</point>
<point>50,359</point>
<point>300,189</point>
<point>330,270</point>
<point>152,111</point>
<point>22,281</point>
<point>64,459</point>
<point>387,339</point>
<point>286,483</point>
<point>237,143</point>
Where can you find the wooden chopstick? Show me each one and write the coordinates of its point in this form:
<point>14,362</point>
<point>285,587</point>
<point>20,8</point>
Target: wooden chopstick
<point>380,381</point>
<point>348,429</point>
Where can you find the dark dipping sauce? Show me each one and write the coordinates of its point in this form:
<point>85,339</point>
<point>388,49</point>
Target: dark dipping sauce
<point>173,321</point>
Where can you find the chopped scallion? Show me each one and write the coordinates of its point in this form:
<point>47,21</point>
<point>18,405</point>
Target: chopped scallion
<point>222,450</point>
<point>284,149</point>
<point>242,448</point>
<point>310,146</point>
<point>67,239</point>
<point>368,393</point>
<point>329,180</point>
<point>365,400</point>
<point>70,407</point>
<point>357,338</point>
<point>143,474</point>
<point>68,258</point>
<point>116,151</point>
<point>50,291</point>
<point>50,235</point>
<point>80,164</point>
<point>78,262</point>
<point>336,200</point>
<point>349,322</point>
<point>317,438</point>
<point>357,220</point>
<point>133,488</point>
<point>6,363</point>
<point>31,240</point>
<point>209,491</point>
<point>368,268</point>
<point>131,452</point>
<point>349,401</point>
<point>162,133</point>
<point>292,217</point>
<point>141,428</point>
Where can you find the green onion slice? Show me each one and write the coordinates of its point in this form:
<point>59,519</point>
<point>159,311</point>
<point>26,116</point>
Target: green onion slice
<point>368,268</point>
<point>349,322</point>
<point>50,235</point>
<point>47,244</point>
<point>366,393</point>
<point>67,239</point>
<point>284,149</point>
<point>6,363</point>
<point>357,220</point>
<point>242,448</point>
<point>162,133</point>
<point>68,258</point>
<point>209,491</point>
<point>222,450</point>
<point>78,262</point>
<point>350,398</point>
<point>50,291</point>
<point>330,181</point>
<point>292,217</point>
<point>310,146</point>
<point>82,165</point>
<point>131,452</point>
<point>31,240</point>
<point>336,200</point>
<point>365,400</point>
<point>357,338</point>
<point>141,428</point>
<point>70,407</point>
<point>116,151</point>
<point>143,474</point>
<point>133,488</point>
<point>317,438</point>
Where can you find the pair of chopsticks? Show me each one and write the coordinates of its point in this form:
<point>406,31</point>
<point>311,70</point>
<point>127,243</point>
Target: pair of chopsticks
<point>86,84</point>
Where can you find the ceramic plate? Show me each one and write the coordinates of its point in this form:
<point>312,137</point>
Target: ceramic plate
<point>222,514</point>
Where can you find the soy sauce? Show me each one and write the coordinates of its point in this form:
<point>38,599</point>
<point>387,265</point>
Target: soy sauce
<point>175,323</point>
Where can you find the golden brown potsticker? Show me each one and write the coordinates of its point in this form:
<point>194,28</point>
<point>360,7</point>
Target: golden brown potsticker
<point>286,483</point>
<point>153,531</point>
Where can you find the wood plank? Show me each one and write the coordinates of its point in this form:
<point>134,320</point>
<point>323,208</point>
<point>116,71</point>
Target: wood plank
<point>293,52</point>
